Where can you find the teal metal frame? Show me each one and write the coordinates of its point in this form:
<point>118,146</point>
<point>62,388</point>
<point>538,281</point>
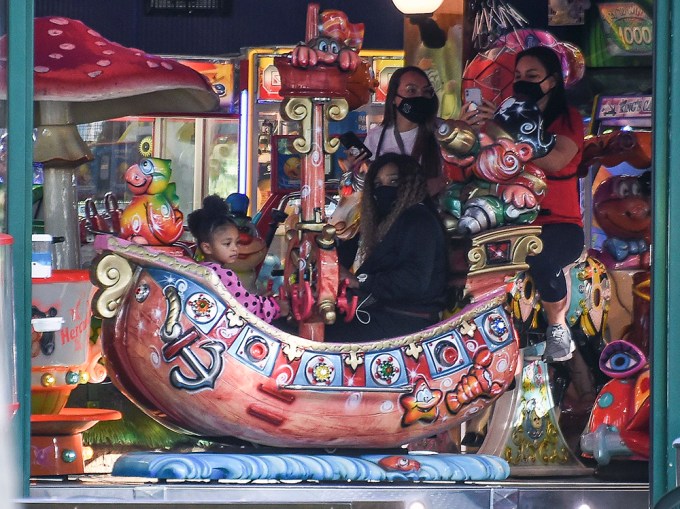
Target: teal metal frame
<point>665,354</point>
<point>19,205</point>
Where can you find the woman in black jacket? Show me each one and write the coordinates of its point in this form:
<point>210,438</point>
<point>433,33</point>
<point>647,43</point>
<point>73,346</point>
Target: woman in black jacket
<point>401,261</point>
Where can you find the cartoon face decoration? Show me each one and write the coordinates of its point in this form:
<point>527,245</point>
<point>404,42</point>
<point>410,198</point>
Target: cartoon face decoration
<point>326,49</point>
<point>622,207</point>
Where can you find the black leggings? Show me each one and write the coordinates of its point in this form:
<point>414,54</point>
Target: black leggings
<point>562,245</point>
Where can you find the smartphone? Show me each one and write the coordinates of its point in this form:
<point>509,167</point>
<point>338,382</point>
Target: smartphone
<point>473,95</point>
<point>351,141</point>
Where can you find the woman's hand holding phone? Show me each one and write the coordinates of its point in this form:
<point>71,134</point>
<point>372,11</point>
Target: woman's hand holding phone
<point>356,152</point>
<point>477,115</point>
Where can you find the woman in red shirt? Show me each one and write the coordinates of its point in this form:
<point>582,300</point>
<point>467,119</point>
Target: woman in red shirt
<point>538,76</point>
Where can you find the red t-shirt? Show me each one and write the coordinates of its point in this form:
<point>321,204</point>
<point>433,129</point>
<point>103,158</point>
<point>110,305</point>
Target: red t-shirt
<point>562,203</point>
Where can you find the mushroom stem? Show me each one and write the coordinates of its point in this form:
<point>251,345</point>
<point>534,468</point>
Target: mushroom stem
<point>61,149</point>
<point>60,205</point>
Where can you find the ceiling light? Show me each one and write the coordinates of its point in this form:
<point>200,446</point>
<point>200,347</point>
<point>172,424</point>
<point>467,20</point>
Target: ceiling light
<point>410,7</point>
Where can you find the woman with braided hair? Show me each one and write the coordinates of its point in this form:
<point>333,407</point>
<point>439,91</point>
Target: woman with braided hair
<point>401,262</point>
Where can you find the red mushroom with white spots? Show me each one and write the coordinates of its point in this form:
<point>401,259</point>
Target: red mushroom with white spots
<point>81,77</point>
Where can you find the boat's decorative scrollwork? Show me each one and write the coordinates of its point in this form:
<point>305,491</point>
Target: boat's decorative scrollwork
<point>112,274</point>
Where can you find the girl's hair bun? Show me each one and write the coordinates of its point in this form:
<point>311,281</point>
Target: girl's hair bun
<point>214,204</point>
<point>213,214</point>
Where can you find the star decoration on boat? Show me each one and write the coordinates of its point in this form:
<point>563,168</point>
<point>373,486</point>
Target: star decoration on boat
<point>421,404</point>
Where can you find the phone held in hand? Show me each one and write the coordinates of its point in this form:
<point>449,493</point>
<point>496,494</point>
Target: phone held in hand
<point>354,145</point>
<point>473,95</point>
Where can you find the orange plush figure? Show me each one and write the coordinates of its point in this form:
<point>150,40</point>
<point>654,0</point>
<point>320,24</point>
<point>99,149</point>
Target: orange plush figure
<point>622,207</point>
<point>153,216</point>
<point>252,249</point>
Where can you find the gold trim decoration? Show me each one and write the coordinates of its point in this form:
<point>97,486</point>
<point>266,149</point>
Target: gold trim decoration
<point>300,109</point>
<point>353,360</point>
<point>335,109</point>
<point>112,274</point>
<point>524,242</point>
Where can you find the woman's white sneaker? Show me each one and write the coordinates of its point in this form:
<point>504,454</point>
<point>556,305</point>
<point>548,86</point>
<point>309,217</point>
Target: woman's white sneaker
<point>559,346</point>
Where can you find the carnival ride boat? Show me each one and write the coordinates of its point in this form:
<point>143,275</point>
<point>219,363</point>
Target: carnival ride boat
<point>179,345</point>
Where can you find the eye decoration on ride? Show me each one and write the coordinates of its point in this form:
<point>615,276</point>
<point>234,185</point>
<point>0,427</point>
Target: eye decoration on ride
<point>618,428</point>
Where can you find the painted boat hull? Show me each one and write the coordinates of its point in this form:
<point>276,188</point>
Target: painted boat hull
<point>185,351</point>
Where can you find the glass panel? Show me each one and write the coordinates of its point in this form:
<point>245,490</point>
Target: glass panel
<point>178,143</point>
<point>116,145</point>
<point>221,156</point>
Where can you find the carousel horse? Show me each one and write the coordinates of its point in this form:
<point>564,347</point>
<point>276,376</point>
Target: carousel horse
<point>616,277</point>
<point>494,184</point>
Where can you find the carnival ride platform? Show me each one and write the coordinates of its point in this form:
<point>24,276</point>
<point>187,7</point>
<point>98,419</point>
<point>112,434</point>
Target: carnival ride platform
<point>104,491</point>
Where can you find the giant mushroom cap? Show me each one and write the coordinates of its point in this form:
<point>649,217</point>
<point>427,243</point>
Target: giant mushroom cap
<point>99,79</point>
<point>81,77</point>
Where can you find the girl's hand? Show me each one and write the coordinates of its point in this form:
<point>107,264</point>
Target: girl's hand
<point>284,306</point>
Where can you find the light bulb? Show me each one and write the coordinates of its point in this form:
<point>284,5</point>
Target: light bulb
<point>410,7</point>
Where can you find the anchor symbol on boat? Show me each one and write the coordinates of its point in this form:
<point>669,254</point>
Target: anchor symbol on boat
<point>178,344</point>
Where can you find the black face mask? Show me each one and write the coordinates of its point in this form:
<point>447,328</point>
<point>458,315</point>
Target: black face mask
<point>384,197</point>
<point>529,90</point>
<point>417,109</point>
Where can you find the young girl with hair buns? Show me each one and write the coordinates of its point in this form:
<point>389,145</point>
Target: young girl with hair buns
<point>217,236</point>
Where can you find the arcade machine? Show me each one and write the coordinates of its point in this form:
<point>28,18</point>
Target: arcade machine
<point>260,104</point>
